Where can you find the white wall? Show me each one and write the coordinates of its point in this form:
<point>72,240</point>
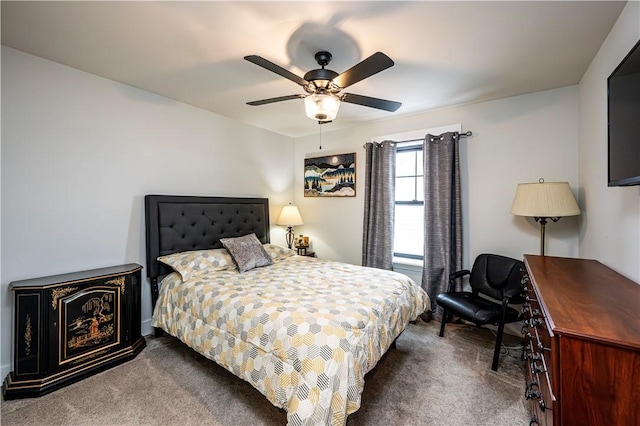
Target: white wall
<point>518,139</point>
<point>79,153</point>
<point>610,227</point>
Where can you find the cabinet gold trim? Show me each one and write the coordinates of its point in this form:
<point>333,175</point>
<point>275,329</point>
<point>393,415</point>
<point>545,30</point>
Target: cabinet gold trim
<point>27,335</point>
<point>119,282</point>
<point>57,293</point>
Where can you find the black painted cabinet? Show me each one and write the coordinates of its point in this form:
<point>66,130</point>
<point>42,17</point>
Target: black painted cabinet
<point>68,327</point>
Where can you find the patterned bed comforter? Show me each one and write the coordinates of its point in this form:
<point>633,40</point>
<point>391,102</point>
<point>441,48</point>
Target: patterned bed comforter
<point>302,331</point>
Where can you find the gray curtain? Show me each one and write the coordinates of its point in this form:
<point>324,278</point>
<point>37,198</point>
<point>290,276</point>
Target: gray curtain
<point>379,205</point>
<point>443,216</point>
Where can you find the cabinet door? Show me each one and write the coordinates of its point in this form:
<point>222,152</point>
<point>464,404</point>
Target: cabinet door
<point>131,309</point>
<point>89,323</point>
<point>27,334</point>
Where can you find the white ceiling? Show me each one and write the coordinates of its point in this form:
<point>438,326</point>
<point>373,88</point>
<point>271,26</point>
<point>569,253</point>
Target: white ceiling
<point>445,53</point>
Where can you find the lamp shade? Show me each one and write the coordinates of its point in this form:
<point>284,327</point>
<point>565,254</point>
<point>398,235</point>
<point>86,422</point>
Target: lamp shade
<point>545,199</point>
<point>321,107</point>
<point>290,216</point>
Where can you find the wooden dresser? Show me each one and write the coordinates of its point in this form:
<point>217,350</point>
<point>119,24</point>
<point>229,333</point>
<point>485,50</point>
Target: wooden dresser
<point>582,343</point>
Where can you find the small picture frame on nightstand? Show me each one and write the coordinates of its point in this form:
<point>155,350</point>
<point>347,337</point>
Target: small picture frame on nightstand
<point>302,241</point>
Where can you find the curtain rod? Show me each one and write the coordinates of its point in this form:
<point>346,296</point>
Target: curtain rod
<point>462,135</point>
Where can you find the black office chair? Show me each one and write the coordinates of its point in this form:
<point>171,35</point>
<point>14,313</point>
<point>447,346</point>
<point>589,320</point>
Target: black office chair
<point>492,275</point>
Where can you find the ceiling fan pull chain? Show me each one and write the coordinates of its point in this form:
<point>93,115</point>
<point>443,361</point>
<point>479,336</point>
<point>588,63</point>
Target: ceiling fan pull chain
<point>320,124</point>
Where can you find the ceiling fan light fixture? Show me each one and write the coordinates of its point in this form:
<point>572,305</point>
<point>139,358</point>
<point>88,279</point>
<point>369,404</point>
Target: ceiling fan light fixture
<point>324,86</point>
<point>321,107</point>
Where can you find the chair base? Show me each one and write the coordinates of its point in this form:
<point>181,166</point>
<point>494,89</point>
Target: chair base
<point>444,321</point>
<point>498,345</point>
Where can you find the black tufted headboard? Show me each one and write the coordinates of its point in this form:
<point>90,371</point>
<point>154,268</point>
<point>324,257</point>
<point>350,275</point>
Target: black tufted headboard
<point>176,223</point>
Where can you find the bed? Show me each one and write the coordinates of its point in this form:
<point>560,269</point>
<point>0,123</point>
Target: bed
<point>301,330</point>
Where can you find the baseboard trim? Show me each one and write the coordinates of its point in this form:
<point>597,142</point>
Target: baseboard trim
<point>5,369</point>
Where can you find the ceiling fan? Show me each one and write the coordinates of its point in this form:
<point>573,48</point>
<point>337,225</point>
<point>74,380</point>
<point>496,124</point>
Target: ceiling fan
<point>324,86</point>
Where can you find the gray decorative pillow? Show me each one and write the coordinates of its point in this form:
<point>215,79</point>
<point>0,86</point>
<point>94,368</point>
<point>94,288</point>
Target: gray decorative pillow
<point>247,251</point>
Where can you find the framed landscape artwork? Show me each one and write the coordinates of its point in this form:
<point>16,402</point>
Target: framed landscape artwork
<point>330,176</point>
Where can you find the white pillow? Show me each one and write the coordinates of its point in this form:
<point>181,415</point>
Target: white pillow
<point>191,264</point>
<point>278,252</point>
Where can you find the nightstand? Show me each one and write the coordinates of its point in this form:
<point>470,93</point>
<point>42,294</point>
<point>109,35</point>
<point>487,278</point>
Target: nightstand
<point>302,251</point>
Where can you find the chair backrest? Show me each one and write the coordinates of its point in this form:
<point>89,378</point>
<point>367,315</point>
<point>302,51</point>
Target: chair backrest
<point>494,275</point>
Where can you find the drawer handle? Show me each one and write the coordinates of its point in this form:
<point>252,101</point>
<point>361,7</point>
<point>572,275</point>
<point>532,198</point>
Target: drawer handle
<point>529,393</point>
<point>543,406</point>
<point>542,348</point>
<point>533,322</point>
<point>532,395</point>
<point>532,355</point>
<point>535,368</point>
<point>534,420</point>
<point>527,351</point>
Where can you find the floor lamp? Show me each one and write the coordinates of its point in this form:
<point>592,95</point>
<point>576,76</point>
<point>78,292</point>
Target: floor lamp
<point>289,217</point>
<point>544,201</point>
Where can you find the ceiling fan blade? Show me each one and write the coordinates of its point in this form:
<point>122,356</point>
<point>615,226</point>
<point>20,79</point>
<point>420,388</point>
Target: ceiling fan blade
<point>368,67</point>
<point>278,99</point>
<point>260,61</point>
<point>370,102</point>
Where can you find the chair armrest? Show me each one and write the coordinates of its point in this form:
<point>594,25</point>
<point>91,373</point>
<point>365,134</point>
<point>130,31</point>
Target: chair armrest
<point>454,276</point>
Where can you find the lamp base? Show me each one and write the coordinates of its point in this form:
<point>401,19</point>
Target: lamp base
<point>289,236</point>
<point>543,223</point>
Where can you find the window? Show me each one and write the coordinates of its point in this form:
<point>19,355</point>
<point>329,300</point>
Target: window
<point>408,229</point>
<point>408,235</point>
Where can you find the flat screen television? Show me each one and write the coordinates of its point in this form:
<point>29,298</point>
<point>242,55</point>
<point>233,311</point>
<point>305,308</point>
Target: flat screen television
<point>623,115</point>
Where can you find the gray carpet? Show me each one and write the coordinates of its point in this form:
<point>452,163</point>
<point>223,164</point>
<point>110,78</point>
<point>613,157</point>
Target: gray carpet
<point>426,380</point>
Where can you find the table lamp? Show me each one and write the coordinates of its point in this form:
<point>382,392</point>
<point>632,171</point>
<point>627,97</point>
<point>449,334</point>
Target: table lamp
<point>544,201</point>
<point>289,217</point>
